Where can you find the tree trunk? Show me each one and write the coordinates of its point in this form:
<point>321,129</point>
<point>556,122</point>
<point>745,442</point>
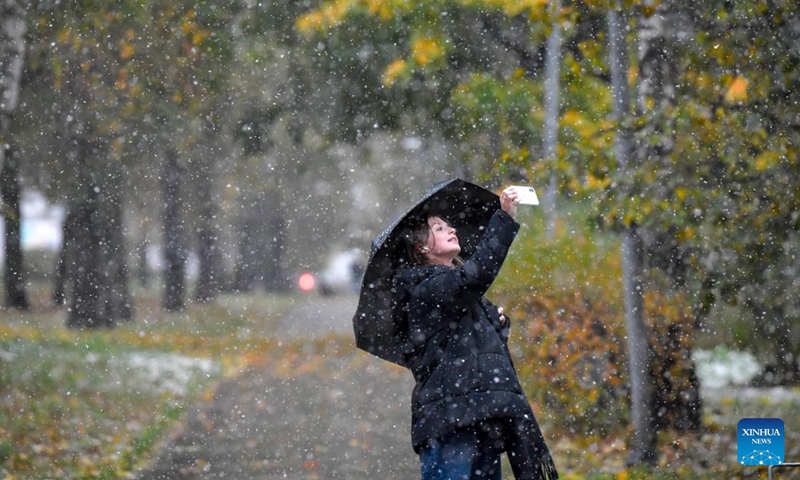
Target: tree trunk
<point>552,115</point>
<point>115,293</point>
<point>261,243</point>
<point>244,278</point>
<point>64,259</point>
<point>250,258</point>
<point>85,311</point>
<point>142,267</point>
<point>656,89</point>
<point>14,274</point>
<point>209,279</point>
<point>643,444</point>
<point>642,447</point>
<point>12,57</point>
<point>13,26</point>
<point>275,277</point>
<point>775,327</point>
<point>655,103</point>
<point>174,250</point>
<point>94,242</point>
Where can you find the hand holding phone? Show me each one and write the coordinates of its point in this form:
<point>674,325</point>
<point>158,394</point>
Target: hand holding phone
<point>526,195</point>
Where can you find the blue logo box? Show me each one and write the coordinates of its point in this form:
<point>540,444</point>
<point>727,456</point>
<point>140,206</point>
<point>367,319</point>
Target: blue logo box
<point>760,441</point>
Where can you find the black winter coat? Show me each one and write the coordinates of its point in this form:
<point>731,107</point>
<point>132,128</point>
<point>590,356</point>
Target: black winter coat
<point>458,349</point>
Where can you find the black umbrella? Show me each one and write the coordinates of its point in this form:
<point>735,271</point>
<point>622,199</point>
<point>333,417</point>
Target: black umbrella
<point>467,207</point>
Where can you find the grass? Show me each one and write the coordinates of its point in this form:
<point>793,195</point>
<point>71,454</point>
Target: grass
<point>92,404</point>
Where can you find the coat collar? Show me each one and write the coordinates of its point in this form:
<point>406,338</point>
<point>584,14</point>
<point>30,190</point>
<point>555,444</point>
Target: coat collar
<point>407,276</point>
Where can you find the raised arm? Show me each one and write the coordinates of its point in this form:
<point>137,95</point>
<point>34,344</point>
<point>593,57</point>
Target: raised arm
<point>477,274</point>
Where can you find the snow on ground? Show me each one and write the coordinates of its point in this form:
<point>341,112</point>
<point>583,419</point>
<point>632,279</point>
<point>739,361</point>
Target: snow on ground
<point>164,371</point>
<point>727,373</point>
<point>720,367</point>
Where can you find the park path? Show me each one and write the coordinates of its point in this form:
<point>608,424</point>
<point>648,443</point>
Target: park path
<point>343,415</point>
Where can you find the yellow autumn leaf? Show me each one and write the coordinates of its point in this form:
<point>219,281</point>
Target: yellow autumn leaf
<point>515,7</point>
<point>633,75</point>
<point>309,23</point>
<point>387,12</point>
<point>187,26</point>
<point>375,6</point>
<point>380,8</point>
<point>737,91</point>
<point>594,182</point>
<point>703,81</point>
<point>766,160</point>
<point>325,17</point>
<point>572,118</point>
<point>426,50</point>
<point>63,36</point>
<point>126,51</point>
<point>339,9</point>
<point>199,36</point>
<point>593,394</point>
<point>394,71</point>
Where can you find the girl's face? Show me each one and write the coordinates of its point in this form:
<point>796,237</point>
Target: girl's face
<point>442,244</point>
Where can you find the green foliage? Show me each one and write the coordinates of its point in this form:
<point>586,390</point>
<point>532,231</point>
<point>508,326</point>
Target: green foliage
<point>564,292</point>
<point>721,200</point>
<point>6,450</point>
<point>484,103</point>
<point>434,65</point>
<point>84,52</point>
<point>736,195</point>
<point>112,74</point>
<point>573,363</point>
<point>561,293</point>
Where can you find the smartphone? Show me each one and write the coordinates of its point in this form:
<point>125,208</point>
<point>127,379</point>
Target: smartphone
<point>527,196</point>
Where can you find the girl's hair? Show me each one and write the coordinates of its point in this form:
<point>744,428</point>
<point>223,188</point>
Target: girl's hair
<point>415,238</point>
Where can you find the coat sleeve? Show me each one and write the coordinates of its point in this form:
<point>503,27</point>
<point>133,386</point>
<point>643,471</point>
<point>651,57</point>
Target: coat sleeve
<point>502,329</point>
<point>472,279</point>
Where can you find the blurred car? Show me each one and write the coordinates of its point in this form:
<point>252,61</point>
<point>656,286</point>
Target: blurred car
<point>343,273</point>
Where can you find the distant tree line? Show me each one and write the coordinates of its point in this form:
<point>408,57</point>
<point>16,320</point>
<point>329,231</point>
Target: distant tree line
<point>126,113</point>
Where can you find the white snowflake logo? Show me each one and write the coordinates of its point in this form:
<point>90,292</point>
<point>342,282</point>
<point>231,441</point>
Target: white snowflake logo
<point>761,457</point>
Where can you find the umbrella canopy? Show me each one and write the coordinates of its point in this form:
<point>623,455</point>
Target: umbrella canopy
<point>467,207</point>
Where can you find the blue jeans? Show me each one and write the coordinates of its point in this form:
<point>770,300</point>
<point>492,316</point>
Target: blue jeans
<point>467,454</point>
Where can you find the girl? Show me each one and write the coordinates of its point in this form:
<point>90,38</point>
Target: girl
<point>467,405</point>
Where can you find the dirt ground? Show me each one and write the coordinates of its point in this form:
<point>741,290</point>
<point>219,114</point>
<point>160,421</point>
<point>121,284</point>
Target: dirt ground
<point>344,415</point>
